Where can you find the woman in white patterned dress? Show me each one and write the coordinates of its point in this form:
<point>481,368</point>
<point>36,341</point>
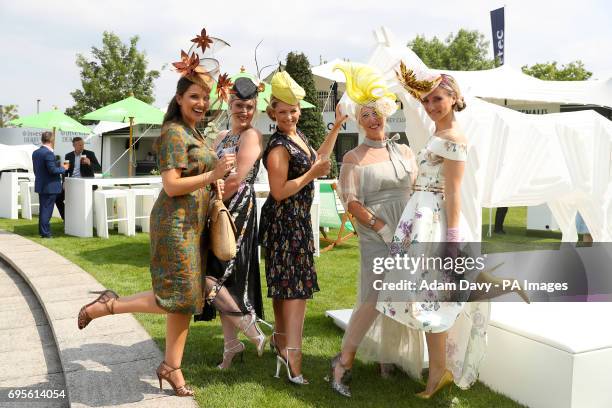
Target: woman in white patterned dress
<point>454,331</point>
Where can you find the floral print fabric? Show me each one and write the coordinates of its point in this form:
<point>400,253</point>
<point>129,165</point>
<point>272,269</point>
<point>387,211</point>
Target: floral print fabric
<point>286,229</point>
<point>177,223</point>
<point>424,221</point>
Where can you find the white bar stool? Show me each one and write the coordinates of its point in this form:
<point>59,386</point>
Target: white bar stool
<point>143,198</point>
<point>123,202</point>
<point>29,199</point>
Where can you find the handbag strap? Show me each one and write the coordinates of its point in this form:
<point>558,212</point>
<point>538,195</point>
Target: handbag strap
<point>218,191</point>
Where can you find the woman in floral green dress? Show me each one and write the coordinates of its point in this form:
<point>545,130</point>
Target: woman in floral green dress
<point>188,167</point>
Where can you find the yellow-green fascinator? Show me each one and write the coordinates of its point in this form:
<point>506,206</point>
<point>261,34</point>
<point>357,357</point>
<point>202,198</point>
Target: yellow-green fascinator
<point>286,89</point>
<point>366,87</point>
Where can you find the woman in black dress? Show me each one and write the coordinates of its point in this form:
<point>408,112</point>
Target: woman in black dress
<point>242,307</point>
<point>286,234</point>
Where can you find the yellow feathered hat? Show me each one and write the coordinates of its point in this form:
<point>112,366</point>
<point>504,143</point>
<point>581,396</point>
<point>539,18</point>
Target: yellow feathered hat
<point>286,89</point>
<point>366,87</point>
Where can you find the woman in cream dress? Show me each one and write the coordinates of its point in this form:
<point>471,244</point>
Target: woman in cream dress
<point>454,330</point>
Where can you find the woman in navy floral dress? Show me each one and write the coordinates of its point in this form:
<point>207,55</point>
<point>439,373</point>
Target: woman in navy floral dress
<point>286,228</point>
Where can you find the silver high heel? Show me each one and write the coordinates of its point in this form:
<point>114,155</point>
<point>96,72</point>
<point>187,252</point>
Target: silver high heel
<point>341,387</point>
<point>273,346</point>
<point>230,352</point>
<point>260,339</point>
<point>298,379</point>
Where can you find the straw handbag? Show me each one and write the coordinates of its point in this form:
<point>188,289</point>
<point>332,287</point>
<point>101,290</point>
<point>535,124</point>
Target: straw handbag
<point>222,231</point>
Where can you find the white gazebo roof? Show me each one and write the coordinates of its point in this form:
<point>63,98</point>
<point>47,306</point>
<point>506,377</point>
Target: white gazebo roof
<point>507,82</point>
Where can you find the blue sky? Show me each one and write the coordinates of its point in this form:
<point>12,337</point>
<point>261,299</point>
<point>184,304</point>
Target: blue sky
<point>40,39</point>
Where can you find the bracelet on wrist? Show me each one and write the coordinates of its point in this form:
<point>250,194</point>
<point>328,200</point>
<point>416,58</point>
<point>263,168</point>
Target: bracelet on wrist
<point>372,221</point>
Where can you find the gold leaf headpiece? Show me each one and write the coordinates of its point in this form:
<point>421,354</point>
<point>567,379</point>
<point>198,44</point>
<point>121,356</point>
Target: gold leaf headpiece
<point>417,88</point>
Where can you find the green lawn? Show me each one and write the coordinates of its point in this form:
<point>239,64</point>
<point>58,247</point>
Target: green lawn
<point>121,263</point>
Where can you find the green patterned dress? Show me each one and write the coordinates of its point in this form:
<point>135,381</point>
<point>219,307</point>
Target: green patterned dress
<point>177,223</point>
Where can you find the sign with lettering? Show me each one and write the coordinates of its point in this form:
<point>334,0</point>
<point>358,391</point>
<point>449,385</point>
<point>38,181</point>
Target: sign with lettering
<point>499,37</point>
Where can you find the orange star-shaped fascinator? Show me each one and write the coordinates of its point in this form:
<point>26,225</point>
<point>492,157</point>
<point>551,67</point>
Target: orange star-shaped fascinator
<point>187,64</point>
<point>224,87</point>
<point>203,41</point>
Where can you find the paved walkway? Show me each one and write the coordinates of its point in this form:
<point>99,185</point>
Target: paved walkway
<point>110,363</point>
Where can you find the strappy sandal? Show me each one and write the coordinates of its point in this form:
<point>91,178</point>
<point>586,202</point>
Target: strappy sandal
<point>107,298</point>
<point>163,373</point>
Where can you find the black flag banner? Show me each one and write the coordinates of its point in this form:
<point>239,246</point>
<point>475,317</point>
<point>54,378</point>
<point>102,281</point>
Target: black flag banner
<point>499,35</point>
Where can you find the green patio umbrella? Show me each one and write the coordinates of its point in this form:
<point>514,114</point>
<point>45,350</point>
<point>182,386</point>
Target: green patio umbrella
<point>129,110</point>
<point>53,119</point>
<point>262,99</point>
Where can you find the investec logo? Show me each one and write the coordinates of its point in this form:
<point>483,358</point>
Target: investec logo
<point>499,34</point>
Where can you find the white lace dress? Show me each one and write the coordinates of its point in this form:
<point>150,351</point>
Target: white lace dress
<point>424,221</point>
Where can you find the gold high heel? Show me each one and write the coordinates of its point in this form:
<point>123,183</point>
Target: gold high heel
<point>163,373</point>
<point>83,319</point>
<point>446,379</point>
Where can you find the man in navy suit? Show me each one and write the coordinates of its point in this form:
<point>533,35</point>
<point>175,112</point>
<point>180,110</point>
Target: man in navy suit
<point>48,182</point>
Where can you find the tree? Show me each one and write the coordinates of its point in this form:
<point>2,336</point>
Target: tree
<point>311,120</point>
<point>7,113</point>
<point>574,71</point>
<point>115,71</point>
<point>465,51</point>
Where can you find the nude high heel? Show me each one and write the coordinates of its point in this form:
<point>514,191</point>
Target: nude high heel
<point>163,373</point>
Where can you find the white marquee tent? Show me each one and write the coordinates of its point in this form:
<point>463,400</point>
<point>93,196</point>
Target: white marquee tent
<point>509,83</point>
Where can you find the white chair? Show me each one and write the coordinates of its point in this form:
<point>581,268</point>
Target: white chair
<point>29,199</point>
<point>122,202</point>
<point>142,199</point>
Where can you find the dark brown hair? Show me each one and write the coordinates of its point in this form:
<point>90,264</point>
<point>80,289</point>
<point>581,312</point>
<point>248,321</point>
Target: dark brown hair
<point>173,113</point>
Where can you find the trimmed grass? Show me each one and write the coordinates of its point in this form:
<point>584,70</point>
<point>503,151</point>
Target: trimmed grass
<point>121,263</point>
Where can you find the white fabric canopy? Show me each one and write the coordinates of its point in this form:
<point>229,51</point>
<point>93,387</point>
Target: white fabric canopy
<point>104,126</point>
<point>511,83</point>
<point>327,71</point>
<point>515,159</point>
<point>14,157</point>
<point>505,82</point>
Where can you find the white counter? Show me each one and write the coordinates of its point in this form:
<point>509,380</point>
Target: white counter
<point>79,200</point>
